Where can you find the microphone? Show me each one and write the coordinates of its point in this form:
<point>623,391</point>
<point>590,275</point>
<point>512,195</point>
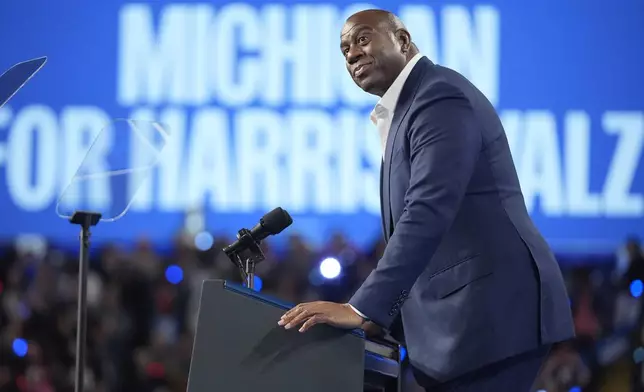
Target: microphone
<point>270,224</point>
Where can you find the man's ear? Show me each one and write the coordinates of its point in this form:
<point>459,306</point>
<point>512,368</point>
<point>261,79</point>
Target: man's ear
<point>404,40</point>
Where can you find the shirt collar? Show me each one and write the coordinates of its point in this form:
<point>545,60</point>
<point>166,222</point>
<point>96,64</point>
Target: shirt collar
<point>387,102</point>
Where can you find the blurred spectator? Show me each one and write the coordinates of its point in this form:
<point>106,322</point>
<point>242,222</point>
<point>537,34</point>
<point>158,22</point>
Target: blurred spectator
<point>563,370</point>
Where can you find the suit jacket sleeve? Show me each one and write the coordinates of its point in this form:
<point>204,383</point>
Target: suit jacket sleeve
<point>444,146</point>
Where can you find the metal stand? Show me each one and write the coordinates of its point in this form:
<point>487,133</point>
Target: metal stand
<point>86,220</point>
<point>247,267</point>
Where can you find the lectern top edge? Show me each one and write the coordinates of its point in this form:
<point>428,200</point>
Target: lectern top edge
<point>263,297</point>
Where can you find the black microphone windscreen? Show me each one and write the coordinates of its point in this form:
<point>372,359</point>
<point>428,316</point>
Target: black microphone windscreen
<point>276,221</point>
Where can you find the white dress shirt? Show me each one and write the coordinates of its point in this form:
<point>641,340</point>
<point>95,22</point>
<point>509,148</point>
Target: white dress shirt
<point>382,115</point>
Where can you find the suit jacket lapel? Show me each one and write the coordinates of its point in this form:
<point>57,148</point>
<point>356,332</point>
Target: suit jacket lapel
<point>402,107</point>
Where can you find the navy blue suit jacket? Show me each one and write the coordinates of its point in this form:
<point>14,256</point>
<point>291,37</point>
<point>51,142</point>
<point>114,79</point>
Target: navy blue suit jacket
<point>466,269</point>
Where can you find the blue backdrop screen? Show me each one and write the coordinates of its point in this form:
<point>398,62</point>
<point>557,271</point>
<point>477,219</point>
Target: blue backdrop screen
<point>263,114</point>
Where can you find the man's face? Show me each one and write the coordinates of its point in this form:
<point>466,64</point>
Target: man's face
<point>373,57</point>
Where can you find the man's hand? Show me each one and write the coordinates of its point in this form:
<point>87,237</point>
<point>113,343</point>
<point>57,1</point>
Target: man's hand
<point>320,312</point>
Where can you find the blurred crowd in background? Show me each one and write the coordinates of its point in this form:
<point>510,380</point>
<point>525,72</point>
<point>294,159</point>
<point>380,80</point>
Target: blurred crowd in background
<point>143,304</point>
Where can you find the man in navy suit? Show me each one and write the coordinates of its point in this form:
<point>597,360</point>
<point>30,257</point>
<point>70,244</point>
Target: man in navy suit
<point>466,280</point>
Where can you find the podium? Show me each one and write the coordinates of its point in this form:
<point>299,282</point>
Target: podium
<point>239,347</point>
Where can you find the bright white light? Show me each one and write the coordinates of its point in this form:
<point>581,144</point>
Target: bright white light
<point>330,268</point>
<point>204,241</point>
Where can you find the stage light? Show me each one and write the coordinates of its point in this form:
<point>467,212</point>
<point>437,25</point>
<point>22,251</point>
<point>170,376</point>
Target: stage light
<point>636,288</point>
<point>403,353</point>
<point>257,281</point>
<point>174,274</point>
<point>20,347</point>
<point>575,389</point>
<point>204,241</point>
<point>330,268</point>
<point>638,355</point>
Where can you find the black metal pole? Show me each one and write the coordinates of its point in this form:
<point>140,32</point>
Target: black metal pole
<point>85,220</point>
<point>81,322</point>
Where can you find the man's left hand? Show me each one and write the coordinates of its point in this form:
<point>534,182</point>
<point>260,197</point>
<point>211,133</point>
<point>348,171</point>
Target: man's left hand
<point>320,312</point>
